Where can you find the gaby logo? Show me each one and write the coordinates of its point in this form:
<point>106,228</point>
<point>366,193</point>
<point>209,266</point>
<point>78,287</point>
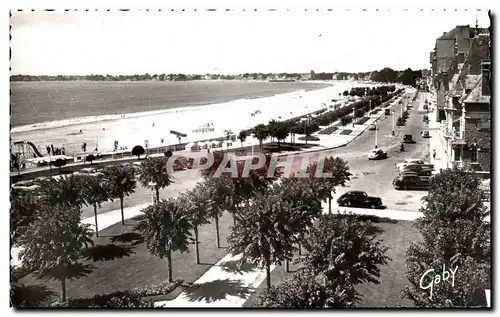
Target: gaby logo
<point>229,165</point>
<point>437,278</point>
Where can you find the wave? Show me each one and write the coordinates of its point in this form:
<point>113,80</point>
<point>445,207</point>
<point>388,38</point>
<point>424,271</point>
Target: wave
<point>112,117</point>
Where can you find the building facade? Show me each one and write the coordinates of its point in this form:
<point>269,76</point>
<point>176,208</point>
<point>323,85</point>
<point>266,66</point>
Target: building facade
<point>465,95</point>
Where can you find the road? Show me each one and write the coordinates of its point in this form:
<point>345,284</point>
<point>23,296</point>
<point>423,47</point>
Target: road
<point>375,177</point>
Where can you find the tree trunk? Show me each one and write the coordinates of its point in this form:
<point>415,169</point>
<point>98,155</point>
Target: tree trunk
<point>157,194</point>
<point>63,289</point>
<point>300,249</point>
<point>95,216</point>
<point>169,260</point>
<point>217,230</point>
<point>329,205</point>
<point>268,274</point>
<point>121,207</point>
<point>197,251</point>
<point>287,266</point>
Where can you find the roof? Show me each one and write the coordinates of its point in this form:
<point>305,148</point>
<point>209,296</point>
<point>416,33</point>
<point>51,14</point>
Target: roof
<point>448,35</point>
<point>471,81</point>
<point>476,95</point>
<point>479,51</point>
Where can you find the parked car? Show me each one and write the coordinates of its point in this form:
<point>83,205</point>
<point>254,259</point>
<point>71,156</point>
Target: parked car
<point>377,154</point>
<point>426,118</point>
<point>410,182</point>
<point>24,186</point>
<point>359,199</point>
<point>417,168</point>
<point>89,171</point>
<point>426,107</point>
<point>372,127</point>
<point>426,134</point>
<point>387,112</point>
<point>408,138</point>
<point>399,166</point>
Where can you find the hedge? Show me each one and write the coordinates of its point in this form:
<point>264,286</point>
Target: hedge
<point>329,130</point>
<point>121,299</point>
<point>362,120</point>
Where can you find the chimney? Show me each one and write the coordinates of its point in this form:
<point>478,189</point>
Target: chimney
<point>485,77</point>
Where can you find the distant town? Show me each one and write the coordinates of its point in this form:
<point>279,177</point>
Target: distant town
<point>407,76</point>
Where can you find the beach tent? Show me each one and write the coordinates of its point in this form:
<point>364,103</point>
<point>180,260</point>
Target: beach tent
<point>213,144</point>
<point>193,146</point>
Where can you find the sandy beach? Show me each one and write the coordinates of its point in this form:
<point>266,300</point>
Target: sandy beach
<point>155,126</point>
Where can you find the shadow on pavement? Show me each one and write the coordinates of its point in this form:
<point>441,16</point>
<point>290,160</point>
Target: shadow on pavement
<point>238,267</point>
<point>217,290</point>
<point>107,252</point>
<point>132,237</point>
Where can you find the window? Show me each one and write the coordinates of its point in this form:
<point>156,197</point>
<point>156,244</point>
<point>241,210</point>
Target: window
<point>473,153</point>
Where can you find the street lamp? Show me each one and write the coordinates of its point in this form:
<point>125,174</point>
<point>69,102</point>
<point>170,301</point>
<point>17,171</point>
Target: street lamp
<point>376,135</point>
<point>393,116</point>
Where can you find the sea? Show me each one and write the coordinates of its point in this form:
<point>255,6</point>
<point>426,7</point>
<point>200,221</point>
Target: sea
<point>57,103</point>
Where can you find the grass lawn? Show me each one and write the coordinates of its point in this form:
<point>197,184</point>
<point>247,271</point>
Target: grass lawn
<point>122,262</point>
<point>397,235</point>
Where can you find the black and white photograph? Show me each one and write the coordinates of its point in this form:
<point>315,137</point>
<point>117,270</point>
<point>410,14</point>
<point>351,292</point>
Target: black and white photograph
<point>246,158</point>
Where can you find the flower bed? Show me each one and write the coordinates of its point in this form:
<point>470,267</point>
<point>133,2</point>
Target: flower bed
<point>329,130</point>
<point>309,138</point>
<point>346,132</point>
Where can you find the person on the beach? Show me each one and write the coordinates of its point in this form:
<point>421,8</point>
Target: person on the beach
<point>81,131</point>
<point>434,154</point>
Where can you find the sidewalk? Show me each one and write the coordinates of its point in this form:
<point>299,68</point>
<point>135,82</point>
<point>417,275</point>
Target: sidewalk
<point>436,142</point>
<point>223,285</point>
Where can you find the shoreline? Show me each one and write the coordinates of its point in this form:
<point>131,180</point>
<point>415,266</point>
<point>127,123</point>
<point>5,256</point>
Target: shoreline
<point>134,114</point>
<point>155,125</point>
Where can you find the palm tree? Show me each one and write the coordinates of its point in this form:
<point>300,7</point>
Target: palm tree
<point>325,186</point>
<point>197,202</point>
<point>261,133</point>
<point>154,169</point>
<point>242,136</point>
<point>227,133</point>
<point>262,234</point>
<point>165,229</point>
<point>121,183</point>
<point>220,191</point>
<point>95,191</point>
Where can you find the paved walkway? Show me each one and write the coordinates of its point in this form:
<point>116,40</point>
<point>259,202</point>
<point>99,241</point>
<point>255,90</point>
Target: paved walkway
<point>436,142</point>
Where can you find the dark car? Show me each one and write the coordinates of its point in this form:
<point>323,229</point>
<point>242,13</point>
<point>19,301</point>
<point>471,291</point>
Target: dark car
<point>426,107</point>
<point>426,118</point>
<point>417,168</point>
<point>359,199</point>
<point>408,138</point>
<point>410,182</point>
<point>426,134</point>
<point>387,112</point>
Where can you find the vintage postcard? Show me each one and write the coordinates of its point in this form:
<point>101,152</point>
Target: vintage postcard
<point>241,158</point>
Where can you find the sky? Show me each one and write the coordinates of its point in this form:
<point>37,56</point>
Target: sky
<point>138,42</point>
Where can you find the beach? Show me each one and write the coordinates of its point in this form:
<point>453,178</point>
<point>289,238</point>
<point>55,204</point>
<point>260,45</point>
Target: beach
<point>131,129</point>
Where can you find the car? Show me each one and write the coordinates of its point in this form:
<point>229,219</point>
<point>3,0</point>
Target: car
<point>24,186</point>
<point>387,112</point>
<point>410,182</point>
<point>425,134</point>
<point>372,127</point>
<point>399,166</point>
<point>89,171</point>
<point>377,154</point>
<point>359,199</point>
<point>417,168</point>
<point>426,107</point>
<point>408,138</point>
<point>426,118</point>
